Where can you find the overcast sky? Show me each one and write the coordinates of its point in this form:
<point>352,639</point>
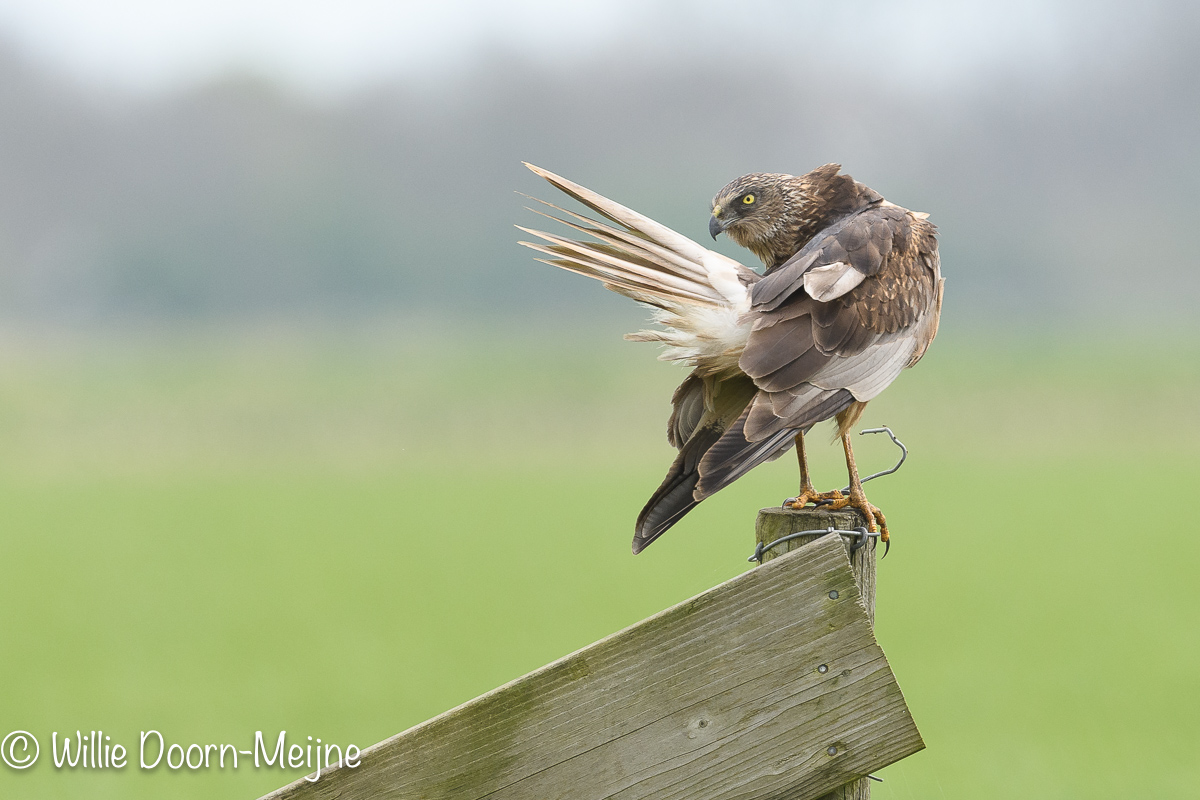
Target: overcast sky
<point>330,46</point>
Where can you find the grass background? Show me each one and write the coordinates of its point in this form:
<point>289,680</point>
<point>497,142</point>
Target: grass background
<point>343,535</point>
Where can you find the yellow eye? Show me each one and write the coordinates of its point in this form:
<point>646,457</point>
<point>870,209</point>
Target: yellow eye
<point>748,199</point>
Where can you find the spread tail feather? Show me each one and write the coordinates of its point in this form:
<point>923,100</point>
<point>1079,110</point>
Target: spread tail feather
<point>698,294</point>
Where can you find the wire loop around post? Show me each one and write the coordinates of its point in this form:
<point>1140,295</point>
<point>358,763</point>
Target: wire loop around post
<point>859,535</point>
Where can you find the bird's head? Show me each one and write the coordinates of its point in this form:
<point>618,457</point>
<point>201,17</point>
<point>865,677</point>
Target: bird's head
<point>774,215</point>
<point>751,208</point>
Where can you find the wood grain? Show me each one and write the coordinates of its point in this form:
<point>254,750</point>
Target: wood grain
<point>775,523</point>
<point>762,687</point>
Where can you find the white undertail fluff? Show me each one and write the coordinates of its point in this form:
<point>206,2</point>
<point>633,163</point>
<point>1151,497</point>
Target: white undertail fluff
<point>709,338</point>
<point>699,296</point>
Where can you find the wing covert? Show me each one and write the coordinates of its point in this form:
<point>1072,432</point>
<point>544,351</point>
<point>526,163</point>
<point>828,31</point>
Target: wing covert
<point>859,243</point>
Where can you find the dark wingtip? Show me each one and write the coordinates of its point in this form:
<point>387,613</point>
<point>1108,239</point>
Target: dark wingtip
<point>645,534</point>
<point>668,504</point>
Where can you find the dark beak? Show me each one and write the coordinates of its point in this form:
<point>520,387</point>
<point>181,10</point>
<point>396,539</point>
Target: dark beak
<point>715,226</point>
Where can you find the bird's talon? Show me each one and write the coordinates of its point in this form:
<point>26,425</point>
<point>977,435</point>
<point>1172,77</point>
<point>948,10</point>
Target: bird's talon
<point>818,499</point>
<point>876,522</point>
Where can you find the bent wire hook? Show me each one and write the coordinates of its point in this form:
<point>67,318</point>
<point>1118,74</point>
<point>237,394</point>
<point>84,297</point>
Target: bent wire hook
<point>895,441</point>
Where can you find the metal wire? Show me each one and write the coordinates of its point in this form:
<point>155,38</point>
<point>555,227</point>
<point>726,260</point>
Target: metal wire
<point>860,536</point>
<point>895,441</point>
<point>873,476</point>
<point>861,539</point>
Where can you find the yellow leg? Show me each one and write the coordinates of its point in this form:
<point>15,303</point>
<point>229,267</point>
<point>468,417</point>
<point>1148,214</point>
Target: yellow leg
<point>858,498</point>
<point>807,493</point>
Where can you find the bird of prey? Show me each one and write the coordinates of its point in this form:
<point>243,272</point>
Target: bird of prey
<point>850,296</point>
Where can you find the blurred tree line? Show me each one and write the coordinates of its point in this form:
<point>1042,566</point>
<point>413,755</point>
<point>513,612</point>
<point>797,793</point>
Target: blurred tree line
<point>1063,193</point>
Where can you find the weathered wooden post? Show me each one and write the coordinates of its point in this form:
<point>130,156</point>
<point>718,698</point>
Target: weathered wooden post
<point>774,524</point>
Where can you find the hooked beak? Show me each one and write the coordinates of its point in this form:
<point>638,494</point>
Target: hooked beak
<point>715,226</point>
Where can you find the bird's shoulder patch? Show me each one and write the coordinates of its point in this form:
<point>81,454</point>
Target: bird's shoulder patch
<point>837,259</point>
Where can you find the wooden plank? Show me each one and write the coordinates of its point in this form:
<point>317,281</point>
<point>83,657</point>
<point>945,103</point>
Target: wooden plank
<point>767,686</point>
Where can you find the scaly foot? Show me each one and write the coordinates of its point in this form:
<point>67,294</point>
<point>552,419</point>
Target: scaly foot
<point>875,519</point>
<point>808,495</point>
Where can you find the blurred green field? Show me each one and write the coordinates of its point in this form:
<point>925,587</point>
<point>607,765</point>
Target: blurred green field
<point>343,535</point>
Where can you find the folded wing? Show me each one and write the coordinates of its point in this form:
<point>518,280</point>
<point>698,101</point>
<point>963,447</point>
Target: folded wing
<point>832,326</point>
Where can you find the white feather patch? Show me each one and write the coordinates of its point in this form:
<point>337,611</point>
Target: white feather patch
<point>723,276</point>
<point>830,281</point>
<point>712,337</point>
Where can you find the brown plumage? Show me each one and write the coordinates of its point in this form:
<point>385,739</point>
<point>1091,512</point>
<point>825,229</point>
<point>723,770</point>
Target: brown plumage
<point>850,297</point>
